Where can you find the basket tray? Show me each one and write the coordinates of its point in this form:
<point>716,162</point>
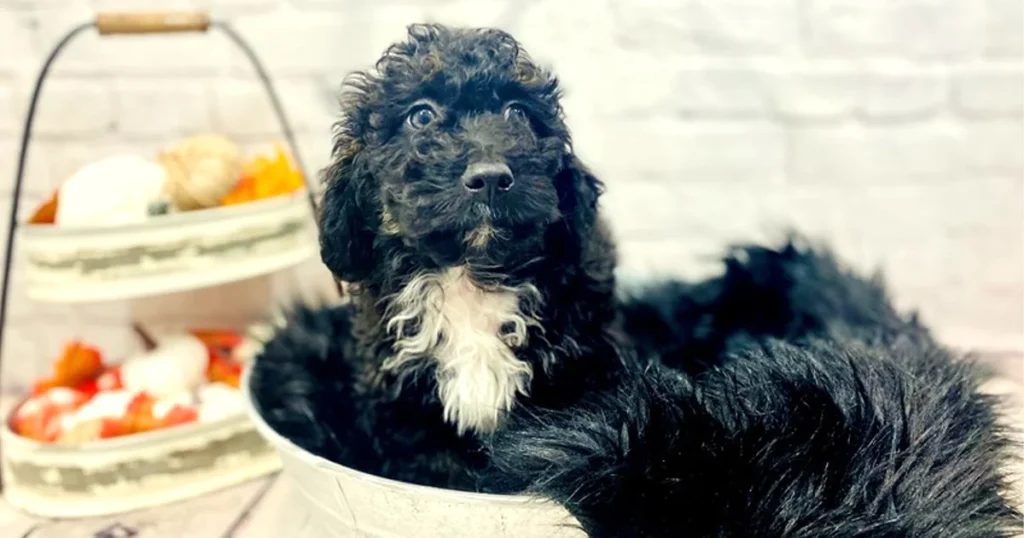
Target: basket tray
<point>128,473</point>
<point>171,253</point>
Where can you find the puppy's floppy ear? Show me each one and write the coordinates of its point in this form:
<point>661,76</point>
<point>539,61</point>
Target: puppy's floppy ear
<point>349,215</point>
<point>578,191</point>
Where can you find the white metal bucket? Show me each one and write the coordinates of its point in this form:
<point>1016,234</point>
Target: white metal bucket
<point>346,503</point>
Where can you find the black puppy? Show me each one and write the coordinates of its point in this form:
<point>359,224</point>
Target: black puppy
<point>809,408</point>
<point>480,273</point>
<point>483,302</point>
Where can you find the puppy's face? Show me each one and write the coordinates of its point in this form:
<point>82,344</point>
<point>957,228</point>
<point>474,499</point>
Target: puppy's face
<point>456,145</point>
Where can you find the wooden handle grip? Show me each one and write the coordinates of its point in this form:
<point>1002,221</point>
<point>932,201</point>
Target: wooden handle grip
<point>152,22</point>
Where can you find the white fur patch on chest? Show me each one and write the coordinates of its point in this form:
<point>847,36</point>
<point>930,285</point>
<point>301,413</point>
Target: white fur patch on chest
<point>447,317</point>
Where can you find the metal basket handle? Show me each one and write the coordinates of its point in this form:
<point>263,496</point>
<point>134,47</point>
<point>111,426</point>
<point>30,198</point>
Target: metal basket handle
<point>152,23</point>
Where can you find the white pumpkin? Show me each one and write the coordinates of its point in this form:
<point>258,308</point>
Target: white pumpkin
<point>178,364</point>
<point>115,191</point>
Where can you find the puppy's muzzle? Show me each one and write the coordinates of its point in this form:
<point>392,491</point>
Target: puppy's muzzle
<point>487,180</point>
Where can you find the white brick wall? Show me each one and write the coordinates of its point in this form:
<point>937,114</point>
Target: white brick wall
<point>891,127</point>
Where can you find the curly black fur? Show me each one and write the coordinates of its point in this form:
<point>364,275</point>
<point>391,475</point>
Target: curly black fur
<point>792,293</point>
<point>833,439</point>
<point>859,426</point>
<point>397,208</point>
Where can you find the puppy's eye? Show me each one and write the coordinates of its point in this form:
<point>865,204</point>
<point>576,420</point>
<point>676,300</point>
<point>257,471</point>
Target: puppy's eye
<point>516,112</point>
<point>422,116</point>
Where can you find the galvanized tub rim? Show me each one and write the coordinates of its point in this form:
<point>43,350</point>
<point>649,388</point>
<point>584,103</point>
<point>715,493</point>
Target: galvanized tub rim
<point>279,440</point>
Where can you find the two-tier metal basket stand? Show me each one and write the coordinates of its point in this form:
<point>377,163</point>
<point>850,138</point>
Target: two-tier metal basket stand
<point>220,245</point>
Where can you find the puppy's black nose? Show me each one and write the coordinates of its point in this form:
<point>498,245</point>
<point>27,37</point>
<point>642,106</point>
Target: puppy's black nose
<point>488,178</point>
